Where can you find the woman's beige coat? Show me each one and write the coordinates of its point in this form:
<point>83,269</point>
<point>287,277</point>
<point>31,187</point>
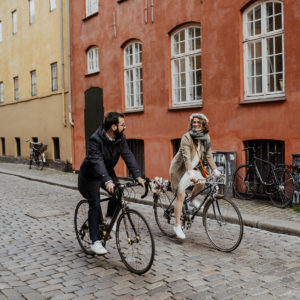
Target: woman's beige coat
<point>182,161</point>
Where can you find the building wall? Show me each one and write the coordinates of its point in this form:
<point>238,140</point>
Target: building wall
<point>35,47</point>
<point>231,121</point>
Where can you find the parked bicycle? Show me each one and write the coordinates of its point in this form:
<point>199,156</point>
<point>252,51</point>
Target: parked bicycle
<point>221,218</point>
<point>37,155</point>
<point>278,184</point>
<point>134,238</point>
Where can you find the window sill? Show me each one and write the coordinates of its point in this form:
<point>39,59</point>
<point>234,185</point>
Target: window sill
<point>180,107</point>
<point>263,100</point>
<point>91,74</point>
<point>132,111</point>
<point>90,16</point>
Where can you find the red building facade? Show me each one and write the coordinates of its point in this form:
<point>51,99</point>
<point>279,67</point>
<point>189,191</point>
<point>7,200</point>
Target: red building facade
<point>158,61</point>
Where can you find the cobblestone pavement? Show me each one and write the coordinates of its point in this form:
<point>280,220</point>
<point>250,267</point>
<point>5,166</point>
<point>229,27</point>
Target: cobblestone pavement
<point>256,213</point>
<point>40,257</point>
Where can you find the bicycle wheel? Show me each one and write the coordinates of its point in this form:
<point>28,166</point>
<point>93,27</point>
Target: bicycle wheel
<point>223,224</point>
<point>40,162</point>
<point>245,182</point>
<point>135,242</point>
<point>284,190</point>
<point>31,160</point>
<point>164,213</point>
<point>82,227</point>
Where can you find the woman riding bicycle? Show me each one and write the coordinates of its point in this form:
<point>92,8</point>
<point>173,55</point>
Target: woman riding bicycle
<point>186,167</point>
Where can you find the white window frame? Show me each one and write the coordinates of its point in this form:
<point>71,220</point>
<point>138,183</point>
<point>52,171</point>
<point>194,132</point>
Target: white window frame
<point>14,22</point>
<point>52,5</point>
<point>16,87</point>
<point>1,92</point>
<point>91,7</point>
<point>1,37</point>
<point>186,94</point>
<point>133,76</point>
<point>93,60</point>
<point>54,77</point>
<point>33,83</point>
<point>253,72</point>
<point>31,11</point>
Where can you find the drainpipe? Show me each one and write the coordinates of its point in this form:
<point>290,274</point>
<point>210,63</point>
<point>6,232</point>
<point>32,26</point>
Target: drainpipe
<point>69,64</point>
<point>62,62</point>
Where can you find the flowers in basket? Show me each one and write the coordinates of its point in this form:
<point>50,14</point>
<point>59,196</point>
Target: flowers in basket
<point>160,185</point>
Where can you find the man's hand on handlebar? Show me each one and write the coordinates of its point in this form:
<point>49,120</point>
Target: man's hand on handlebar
<point>110,187</point>
<point>141,181</point>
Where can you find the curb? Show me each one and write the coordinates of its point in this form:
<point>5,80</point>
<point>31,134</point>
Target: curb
<point>272,225</point>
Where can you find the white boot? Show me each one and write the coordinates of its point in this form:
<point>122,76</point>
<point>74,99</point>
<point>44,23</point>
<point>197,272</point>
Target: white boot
<point>98,248</point>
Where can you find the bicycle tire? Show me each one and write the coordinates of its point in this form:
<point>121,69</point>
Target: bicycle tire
<point>164,217</point>
<point>39,161</point>
<point>31,160</point>
<point>223,224</point>
<point>244,183</point>
<point>81,226</point>
<point>284,191</point>
<point>135,242</point>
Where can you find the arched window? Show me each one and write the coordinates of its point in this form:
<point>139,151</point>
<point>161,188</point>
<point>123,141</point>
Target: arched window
<point>186,66</point>
<point>93,60</point>
<point>133,76</point>
<point>264,50</point>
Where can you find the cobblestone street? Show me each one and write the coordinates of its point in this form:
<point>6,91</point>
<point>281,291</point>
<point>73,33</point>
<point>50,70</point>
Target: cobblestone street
<point>41,259</point>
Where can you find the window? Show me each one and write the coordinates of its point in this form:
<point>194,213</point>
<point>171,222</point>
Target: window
<point>18,146</point>
<point>91,7</point>
<point>186,66</point>
<point>14,22</point>
<point>264,50</point>
<point>16,88</point>
<point>56,148</point>
<point>52,5</point>
<point>1,92</point>
<point>93,60</point>
<point>54,82</point>
<point>33,83</point>
<point>3,146</point>
<point>175,145</point>
<point>133,76</point>
<point>0,31</point>
<point>137,148</point>
<point>31,11</point>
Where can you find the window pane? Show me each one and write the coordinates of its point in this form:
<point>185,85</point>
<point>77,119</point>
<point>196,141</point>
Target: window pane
<point>271,83</point>
<point>258,66</point>
<point>183,94</point>
<point>251,50</point>
<point>270,64</point>
<point>258,84</point>
<point>278,8</point>
<point>278,44</point>
<point>258,27</point>
<point>257,12</point>
<point>278,61</point>
<point>269,8</point>
<point>270,24</point>
<point>270,48</point>
<point>279,82</point>
<point>258,49</point>
<point>278,24</point>
<point>250,16</point>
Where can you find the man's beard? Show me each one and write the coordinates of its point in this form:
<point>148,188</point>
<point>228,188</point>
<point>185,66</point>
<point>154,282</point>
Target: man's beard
<point>118,133</point>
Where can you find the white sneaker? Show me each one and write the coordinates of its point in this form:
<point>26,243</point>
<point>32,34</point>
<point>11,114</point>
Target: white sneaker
<point>179,233</point>
<point>108,220</point>
<point>98,248</point>
<point>195,203</point>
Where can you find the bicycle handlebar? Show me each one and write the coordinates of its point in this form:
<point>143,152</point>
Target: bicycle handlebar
<point>134,183</point>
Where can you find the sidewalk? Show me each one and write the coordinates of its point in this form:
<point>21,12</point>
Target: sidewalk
<point>255,213</point>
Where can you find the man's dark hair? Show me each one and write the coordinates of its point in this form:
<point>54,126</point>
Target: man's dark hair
<point>111,118</point>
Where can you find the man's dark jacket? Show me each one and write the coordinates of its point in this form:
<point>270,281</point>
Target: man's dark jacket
<point>103,154</point>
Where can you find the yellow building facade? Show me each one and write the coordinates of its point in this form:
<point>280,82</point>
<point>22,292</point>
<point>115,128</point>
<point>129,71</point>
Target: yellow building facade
<point>34,81</point>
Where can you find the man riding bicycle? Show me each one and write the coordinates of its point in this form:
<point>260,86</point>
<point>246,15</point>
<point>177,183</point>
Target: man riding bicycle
<point>105,147</point>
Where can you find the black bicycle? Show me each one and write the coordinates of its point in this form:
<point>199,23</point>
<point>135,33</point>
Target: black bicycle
<point>37,155</point>
<point>277,183</point>
<point>134,238</point>
<point>221,218</point>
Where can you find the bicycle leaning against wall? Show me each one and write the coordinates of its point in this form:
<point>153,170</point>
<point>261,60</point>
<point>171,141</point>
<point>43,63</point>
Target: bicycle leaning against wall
<point>37,155</point>
<point>278,185</point>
